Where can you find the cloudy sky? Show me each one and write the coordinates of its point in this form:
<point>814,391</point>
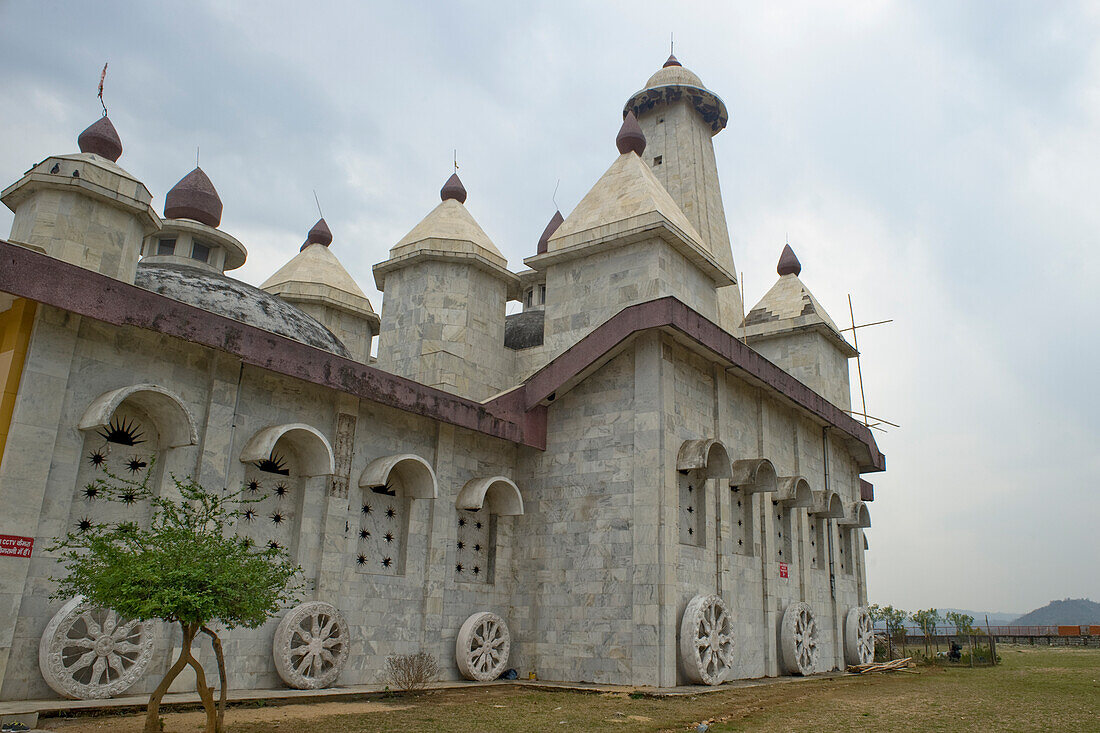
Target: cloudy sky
<point>937,161</point>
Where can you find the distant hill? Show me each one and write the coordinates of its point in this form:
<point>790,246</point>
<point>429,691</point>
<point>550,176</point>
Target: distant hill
<point>996,618</point>
<point>1070,612</point>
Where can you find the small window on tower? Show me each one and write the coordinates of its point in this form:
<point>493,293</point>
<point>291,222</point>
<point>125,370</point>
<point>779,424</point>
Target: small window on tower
<point>527,299</point>
<point>200,252</point>
<point>660,120</point>
<point>542,294</point>
<point>166,246</point>
<point>658,160</point>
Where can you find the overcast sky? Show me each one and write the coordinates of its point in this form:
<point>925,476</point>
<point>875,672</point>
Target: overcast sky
<point>937,161</point>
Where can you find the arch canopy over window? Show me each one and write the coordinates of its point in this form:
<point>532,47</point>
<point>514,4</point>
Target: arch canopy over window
<point>753,474</point>
<point>794,491</point>
<point>857,516</point>
<point>707,454</point>
<point>313,449</point>
<point>828,505</point>
<point>172,418</point>
<point>415,475</point>
<point>502,493</point>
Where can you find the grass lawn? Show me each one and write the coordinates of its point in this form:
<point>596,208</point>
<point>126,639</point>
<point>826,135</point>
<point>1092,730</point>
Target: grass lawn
<point>1035,688</point>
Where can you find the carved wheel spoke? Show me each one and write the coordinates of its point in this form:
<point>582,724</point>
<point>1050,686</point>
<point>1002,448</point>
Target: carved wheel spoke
<point>92,653</point>
<point>798,639</point>
<point>310,646</point>
<point>482,646</point>
<point>706,640</point>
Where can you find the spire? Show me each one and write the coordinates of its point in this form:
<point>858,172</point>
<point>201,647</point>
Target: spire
<point>672,61</point>
<point>194,197</point>
<point>555,222</point>
<point>453,189</point>
<point>102,139</point>
<point>630,137</point>
<point>319,234</point>
<point>788,263</point>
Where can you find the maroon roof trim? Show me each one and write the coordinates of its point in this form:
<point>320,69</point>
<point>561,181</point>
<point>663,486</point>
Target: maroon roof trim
<point>669,313</point>
<point>866,491</point>
<point>518,416</point>
<point>43,279</point>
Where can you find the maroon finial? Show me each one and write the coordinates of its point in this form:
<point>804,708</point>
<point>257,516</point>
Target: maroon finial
<point>319,234</point>
<point>555,222</point>
<point>630,137</point>
<point>453,189</point>
<point>102,139</point>
<point>194,197</point>
<point>672,61</point>
<point>788,263</point>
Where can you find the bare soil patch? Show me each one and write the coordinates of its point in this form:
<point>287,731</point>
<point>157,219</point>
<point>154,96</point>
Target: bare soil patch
<point>1033,689</point>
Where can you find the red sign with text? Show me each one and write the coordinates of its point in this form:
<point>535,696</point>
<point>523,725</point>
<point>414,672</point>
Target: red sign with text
<point>783,570</point>
<point>16,546</point>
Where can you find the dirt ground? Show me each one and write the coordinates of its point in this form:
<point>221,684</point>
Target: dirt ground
<point>1035,688</point>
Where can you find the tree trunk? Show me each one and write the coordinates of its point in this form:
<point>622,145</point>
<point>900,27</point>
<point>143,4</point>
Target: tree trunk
<point>220,656</point>
<point>204,694</point>
<point>152,714</point>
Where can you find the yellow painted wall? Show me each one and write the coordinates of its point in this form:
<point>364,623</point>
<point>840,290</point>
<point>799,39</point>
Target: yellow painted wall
<point>15,334</point>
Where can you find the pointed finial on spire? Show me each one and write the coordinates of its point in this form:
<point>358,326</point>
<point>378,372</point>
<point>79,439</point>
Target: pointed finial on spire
<point>319,234</point>
<point>453,189</point>
<point>194,197</point>
<point>102,78</point>
<point>630,137</point>
<point>671,53</point>
<point>101,138</point>
<point>788,263</point>
<point>555,221</point>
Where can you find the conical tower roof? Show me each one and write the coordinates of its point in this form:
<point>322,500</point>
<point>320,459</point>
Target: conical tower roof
<point>627,189</point>
<point>790,305</point>
<point>316,274</point>
<point>448,232</point>
<point>450,227</point>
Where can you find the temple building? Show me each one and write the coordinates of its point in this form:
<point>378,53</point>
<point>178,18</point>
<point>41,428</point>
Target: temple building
<point>635,479</point>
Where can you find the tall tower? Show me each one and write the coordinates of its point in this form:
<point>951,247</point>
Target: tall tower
<point>679,116</point>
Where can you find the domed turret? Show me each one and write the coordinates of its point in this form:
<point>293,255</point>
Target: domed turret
<point>443,273</point>
<point>189,232</point>
<point>83,208</point>
<point>194,197</point>
<point>678,116</point>
<point>101,138</point>
<point>316,282</point>
<point>791,329</point>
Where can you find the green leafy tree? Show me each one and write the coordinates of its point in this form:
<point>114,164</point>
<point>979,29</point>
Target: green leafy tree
<point>188,568</point>
<point>893,618</point>
<point>963,622</point>
<point>927,620</point>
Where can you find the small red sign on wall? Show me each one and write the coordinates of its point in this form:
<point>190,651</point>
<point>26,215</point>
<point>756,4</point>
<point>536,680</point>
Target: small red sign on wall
<point>783,570</point>
<point>16,546</point>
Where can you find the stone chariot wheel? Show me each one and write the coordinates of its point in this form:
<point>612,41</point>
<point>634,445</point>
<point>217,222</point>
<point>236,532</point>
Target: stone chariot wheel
<point>311,645</point>
<point>798,639</point>
<point>482,647</point>
<point>90,653</point>
<point>859,636</point>
<point>706,640</point>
